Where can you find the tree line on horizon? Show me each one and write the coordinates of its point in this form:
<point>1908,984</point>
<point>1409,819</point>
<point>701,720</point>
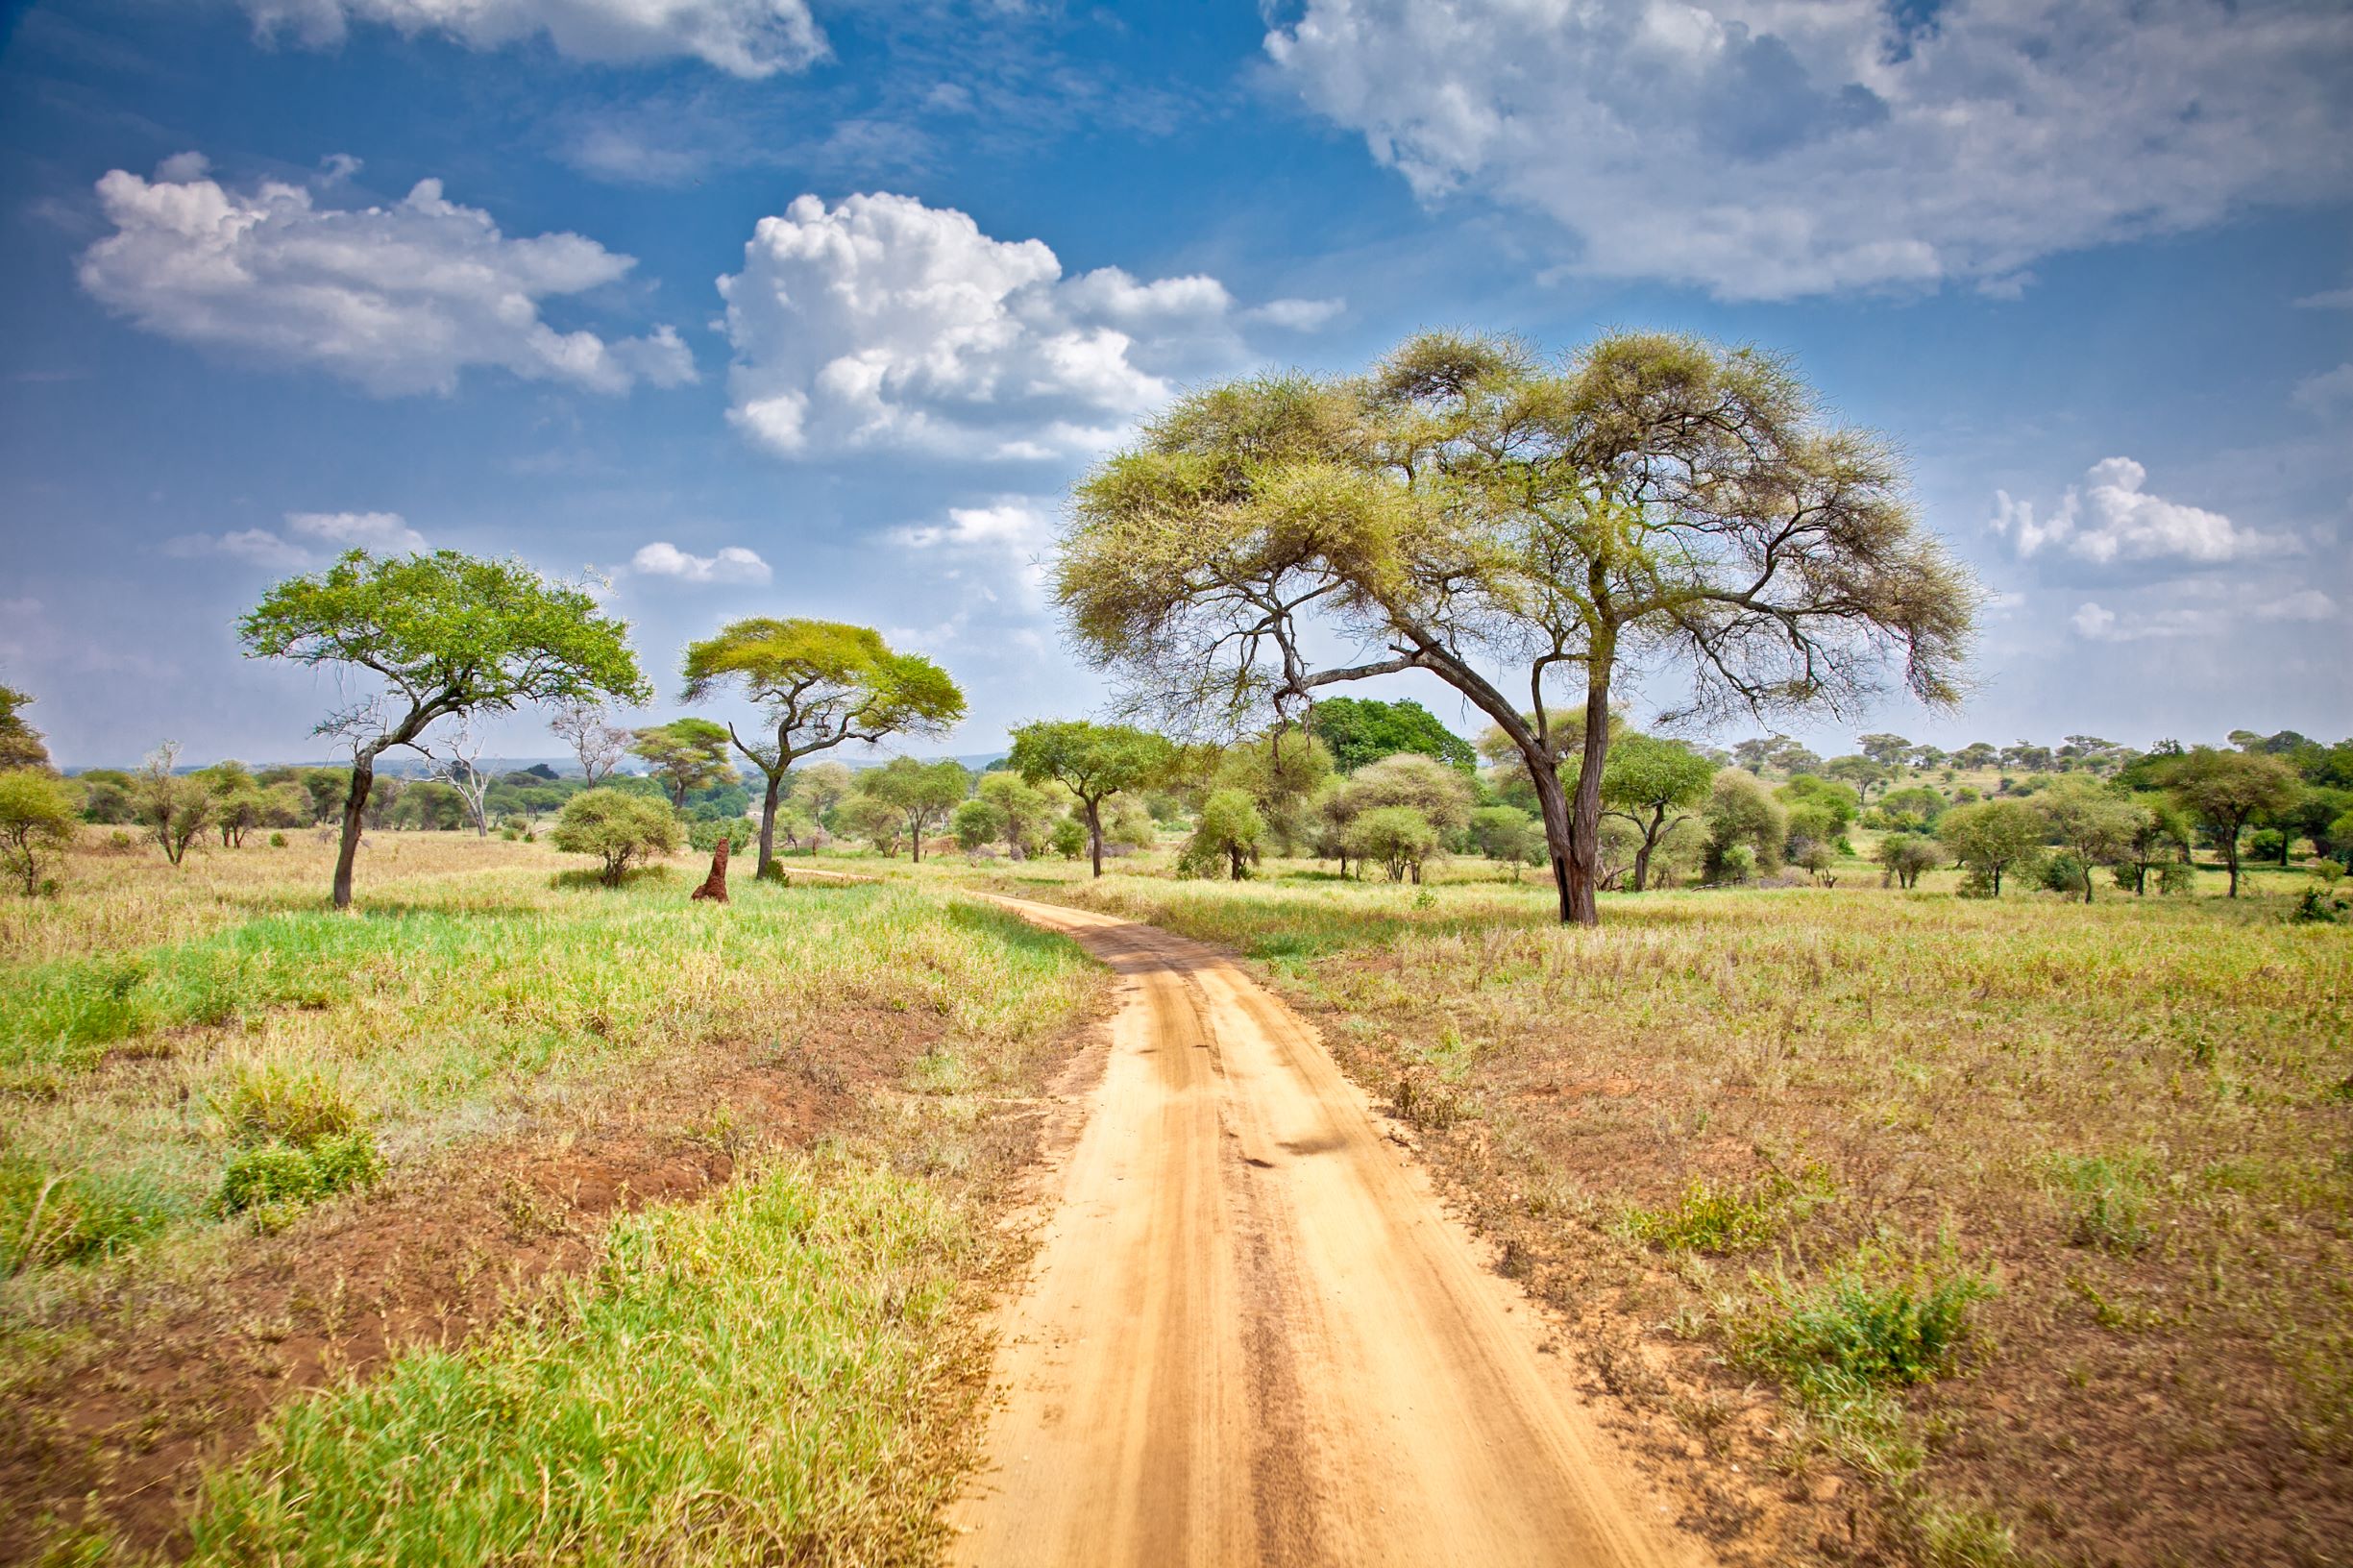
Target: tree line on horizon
<point>1466,506</point>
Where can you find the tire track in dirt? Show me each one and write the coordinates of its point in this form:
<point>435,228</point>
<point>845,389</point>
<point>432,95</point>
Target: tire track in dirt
<point>1252,1335</point>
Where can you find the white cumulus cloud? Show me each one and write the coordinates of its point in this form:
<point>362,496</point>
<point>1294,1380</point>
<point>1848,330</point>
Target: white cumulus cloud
<point>397,298</point>
<point>880,322</point>
<point>1763,148</point>
<point>1006,536</point>
<point>744,37</point>
<point>732,564</point>
<point>328,533</point>
<point>2111,518</point>
<point>384,533</point>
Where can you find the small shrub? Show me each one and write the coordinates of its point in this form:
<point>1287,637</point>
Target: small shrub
<point>1728,1218</point>
<point>703,835</point>
<point>274,1182</point>
<point>2064,872</point>
<point>1851,1330</point>
<point>277,841</point>
<point>619,827</point>
<point>273,1177</point>
<point>1426,1104</point>
<point>2318,908</point>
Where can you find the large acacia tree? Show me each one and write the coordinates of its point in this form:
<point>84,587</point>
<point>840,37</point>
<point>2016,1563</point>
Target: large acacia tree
<point>1525,531</point>
<point>434,637</point>
<point>819,685</point>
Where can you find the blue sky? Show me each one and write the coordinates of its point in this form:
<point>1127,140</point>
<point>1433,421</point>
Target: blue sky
<point>284,275</point>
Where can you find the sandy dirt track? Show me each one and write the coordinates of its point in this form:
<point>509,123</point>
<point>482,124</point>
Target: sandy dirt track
<point>1252,1335</point>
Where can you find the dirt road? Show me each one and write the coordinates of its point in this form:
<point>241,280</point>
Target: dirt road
<point>1252,1337</point>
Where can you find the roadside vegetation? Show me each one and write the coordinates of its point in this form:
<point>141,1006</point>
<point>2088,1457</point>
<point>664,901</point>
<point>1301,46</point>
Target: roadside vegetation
<point>251,1143</point>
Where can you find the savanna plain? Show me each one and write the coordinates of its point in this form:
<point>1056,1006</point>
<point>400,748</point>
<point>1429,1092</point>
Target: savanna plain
<point>522,1218</point>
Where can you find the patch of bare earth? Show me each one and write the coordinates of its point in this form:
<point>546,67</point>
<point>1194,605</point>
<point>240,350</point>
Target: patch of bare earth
<point>443,1250</point>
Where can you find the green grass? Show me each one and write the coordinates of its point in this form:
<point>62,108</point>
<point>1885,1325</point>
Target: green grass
<point>192,1060</point>
<point>752,1381</point>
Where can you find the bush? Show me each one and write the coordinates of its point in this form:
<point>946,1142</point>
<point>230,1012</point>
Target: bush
<point>2064,872</point>
<point>703,835</point>
<point>274,1182</point>
<point>1850,1330</point>
<point>619,826</point>
<point>2105,1202</point>
<point>1712,1218</point>
<point>277,841</point>
<point>1069,839</point>
<point>37,814</point>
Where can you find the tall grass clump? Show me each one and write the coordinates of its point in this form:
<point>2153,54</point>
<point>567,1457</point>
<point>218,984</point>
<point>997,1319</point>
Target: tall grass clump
<point>67,1216</point>
<point>752,1381</point>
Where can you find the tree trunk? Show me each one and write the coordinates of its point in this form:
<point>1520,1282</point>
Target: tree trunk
<point>767,824</point>
<point>1095,832</point>
<point>1584,863</point>
<point>1642,856</point>
<point>2230,856</point>
<point>915,834</point>
<point>354,808</point>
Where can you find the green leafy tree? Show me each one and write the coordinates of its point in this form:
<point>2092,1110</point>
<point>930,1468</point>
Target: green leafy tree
<point>977,823</point>
<point>1889,751</point>
<point>619,827</point>
<point>1398,838</point>
<point>1864,773</point>
<point>1742,816</point>
<point>1511,525</point>
<point>1441,793</point>
<point>2226,790</point>
<point>1906,856</point>
<point>1910,809</point>
<point>1359,730</point>
<point>2161,844</point>
<point>1992,837</point>
<point>1507,836</point>
<point>922,793</point>
<point>106,795</point>
<point>174,807</point>
<point>38,813</point>
<point>1229,834</point>
<point>818,793</point>
<point>1092,761</point>
<point>1024,813</point>
<point>1280,771</point>
<point>685,754</point>
<point>439,636</point>
<point>819,685</point>
<point>1656,784</point>
<point>1069,839</point>
<point>20,745</point>
<point>2096,823</point>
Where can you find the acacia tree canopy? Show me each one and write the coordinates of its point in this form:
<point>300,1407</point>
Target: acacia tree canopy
<point>1468,510</point>
<point>1093,761</point>
<point>685,754</point>
<point>438,636</point>
<point>820,684</point>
